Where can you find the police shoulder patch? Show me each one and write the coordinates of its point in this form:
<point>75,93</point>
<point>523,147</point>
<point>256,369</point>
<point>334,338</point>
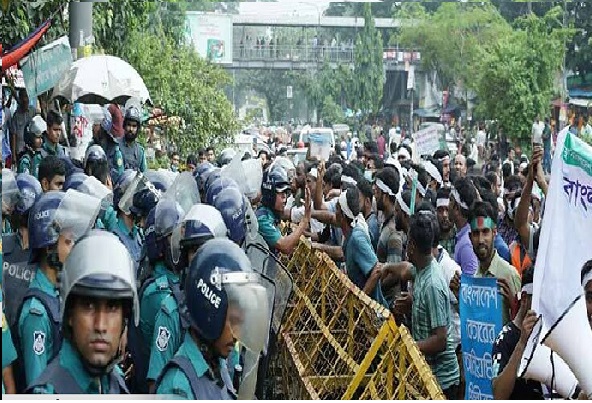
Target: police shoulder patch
<point>162,340</point>
<point>38,342</point>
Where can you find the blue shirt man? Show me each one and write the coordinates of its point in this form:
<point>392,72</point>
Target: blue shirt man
<point>464,254</point>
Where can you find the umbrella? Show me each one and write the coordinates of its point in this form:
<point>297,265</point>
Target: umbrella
<point>101,80</point>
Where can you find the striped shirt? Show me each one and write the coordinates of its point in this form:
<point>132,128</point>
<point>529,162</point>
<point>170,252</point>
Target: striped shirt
<point>430,310</point>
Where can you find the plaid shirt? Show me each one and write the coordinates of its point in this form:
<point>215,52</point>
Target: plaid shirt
<point>449,244</point>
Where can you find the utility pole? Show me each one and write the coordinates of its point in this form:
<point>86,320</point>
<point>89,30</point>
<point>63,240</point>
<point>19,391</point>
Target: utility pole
<point>80,23</point>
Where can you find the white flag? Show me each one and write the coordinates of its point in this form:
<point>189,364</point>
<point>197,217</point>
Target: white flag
<point>565,245</point>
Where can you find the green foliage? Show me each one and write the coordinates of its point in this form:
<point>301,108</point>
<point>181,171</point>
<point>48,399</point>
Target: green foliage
<point>331,112</point>
<point>452,38</point>
<point>184,85</point>
<point>579,50</point>
<point>516,78</point>
<point>23,17</point>
<point>368,65</point>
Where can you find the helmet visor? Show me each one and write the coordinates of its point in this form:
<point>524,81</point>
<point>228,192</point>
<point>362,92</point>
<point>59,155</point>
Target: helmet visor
<point>10,191</point>
<point>76,214</point>
<point>139,183</point>
<point>93,187</point>
<point>254,177</point>
<point>184,191</point>
<point>250,305</point>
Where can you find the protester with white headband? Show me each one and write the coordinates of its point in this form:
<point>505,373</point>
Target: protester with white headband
<point>460,165</point>
<point>509,348</point>
<point>435,177</point>
<point>447,233</point>
<point>461,198</point>
<point>403,212</point>
<point>391,239</point>
<point>361,262</point>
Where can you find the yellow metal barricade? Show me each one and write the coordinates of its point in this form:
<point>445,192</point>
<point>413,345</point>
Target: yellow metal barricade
<point>337,343</point>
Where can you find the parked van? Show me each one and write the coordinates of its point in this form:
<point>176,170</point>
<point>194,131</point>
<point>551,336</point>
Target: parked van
<point>322,131</point>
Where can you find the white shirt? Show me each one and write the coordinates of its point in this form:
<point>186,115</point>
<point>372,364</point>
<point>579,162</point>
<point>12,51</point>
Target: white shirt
<point>449,266</point>
<point>537,132</point>
<point>481,138</point>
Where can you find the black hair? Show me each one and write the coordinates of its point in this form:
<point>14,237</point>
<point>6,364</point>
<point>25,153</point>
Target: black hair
<point>443,193</point>
<point>426,206</point>
<point>353,200</point>
<point>365,188</point>
<point>246,156</point>
<point>586,268</point>
<point>390,177</point>
<point>422,230</point>
<point>351,171</point>
<point>491,176</point>
<point>99,169</point>
<point>210,148</point>
<point>482,209</point>
<point>191,160</point>
<point>528,275</point>
<point>371,146</point>
<point>513,182</point>
<point>506,170</point>
<point>405,146</point>
<point>393,148</point>
<point>480,182</point>
<point>50,167</point>
<point>439,154</point>
<point>201,152</point>
<point>488,197</point>
<point>467,193</point>
<point>54,117</point>
<point>263,152</point>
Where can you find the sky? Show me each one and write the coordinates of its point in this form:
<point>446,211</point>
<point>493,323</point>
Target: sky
<point>309,8</point>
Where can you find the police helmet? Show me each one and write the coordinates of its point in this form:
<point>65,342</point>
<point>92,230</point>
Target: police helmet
<point>275,181</point>
<point>211,177</point>
<point>206,299</point>
<point>74,180</point>
<point>202,223</point>
<point>102,275</point>
<point>89,185</point>
<point>95,153</point>
<point>29,190</point>
<point>286,165</point>
<point>217,186</point>
<point>159,179</point>
<point>10,191</point>
<point>143,201</point>
<point>201,174</point>
<point>160,223</point>
<point>34,129</point>
<point>231,204</point>
<point>132,114</point>
<point>123,182</point>
<point>54,212</point>
<point>226,156</point>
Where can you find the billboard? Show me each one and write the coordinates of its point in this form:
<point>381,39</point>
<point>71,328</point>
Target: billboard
<point>211,34</point>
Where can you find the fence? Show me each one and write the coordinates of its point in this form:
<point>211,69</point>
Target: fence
<point>337,343</point>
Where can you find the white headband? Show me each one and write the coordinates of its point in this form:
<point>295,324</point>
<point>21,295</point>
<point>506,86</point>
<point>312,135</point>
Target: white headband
<point>403,153</point>
<point>349,179</point>
<point>390,161</point>
<point>314,172</point>
<point>456,196</point>
<point>587,278</point>
<point>344,207</point>
<point>433,171</point>
<point>382,186</point>
<point>413,175</point>
<point>442,202</point>
<point>403,205</point>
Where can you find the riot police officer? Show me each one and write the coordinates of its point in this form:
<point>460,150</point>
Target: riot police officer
<point>8,351</point>
<point>108,140</point>
<point>162,279</point>
<point>95,164</point>
<point>56,221</point>
<point>202,223</point>
<point>18,272</point>
<point>98,299</point>
<point>233,206</point>
<point>273,200</point>
<point>10,195</point>
<point>31,157</point>
<point>126,229</point>
<point>133,153</point>
<point>226,302</point>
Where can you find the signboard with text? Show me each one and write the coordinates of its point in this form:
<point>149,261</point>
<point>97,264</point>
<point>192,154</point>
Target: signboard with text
<point>427,141</point>
<point>211,34</point>
<point>480,322</point>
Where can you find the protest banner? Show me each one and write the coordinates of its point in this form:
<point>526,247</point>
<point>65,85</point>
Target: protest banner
<point>43,68</point>
<point>557,290</point>
<point>427,141</point>
<point>480,321</point>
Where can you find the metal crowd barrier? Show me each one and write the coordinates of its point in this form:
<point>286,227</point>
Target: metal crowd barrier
<point>337,343</point>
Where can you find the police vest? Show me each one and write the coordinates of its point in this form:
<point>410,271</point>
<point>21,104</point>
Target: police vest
<point>17,275</point>
<point>52,307</point>
<point>139,348</point>
<point>132,155</point>
<point>64,383</point>
<point>204,387</point>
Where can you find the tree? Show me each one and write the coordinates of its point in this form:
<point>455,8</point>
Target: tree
<point>368,65</point>
<point>451,40</point>
<point>579,50</point>
<point>170,72</point>
<point>271,85</point>
<point>516,77</point>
